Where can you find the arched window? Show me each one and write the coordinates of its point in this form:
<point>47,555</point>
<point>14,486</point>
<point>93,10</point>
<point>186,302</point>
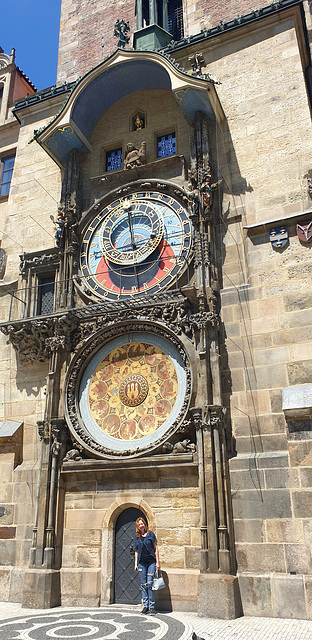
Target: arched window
<point>1,95</point>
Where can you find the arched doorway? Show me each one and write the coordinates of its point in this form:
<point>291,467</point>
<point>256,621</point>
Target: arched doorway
<point>127,584</point>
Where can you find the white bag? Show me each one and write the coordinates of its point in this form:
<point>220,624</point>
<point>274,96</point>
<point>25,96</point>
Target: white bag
<point>158,582</point>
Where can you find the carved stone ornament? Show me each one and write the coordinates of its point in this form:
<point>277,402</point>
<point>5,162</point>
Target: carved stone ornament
<point>33,262</point>
<point>34,340</point>
<point>76,386</point>
<point>178,316</point>
<point>135,157</point>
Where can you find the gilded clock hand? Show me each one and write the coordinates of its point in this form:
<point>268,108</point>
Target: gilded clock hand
<point>127,207</point>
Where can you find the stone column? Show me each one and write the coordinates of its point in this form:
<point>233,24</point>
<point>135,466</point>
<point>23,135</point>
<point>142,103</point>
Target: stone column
<point>42,580</point>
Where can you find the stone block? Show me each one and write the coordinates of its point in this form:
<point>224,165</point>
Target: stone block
<point>249,479</point>
<point>89,557</point>
<point>41,589</point>
<point>69,555</point>
<point>300,372</point>
<point>256,595</point>
<point>5,578</point>
<point>84,519</point>
<point>219,596</point>
<point>16,584</point>
<point>171,517</point>
<point>6,514</point>
<point>70,582</point>
<point>91,583</point>
<point>249,530</point>
<point>191,517</point>
<point>260,557</point>
<point>173,556</point>
<point>267,377</point>
<point>289,597</point>
<point>190,499</point>
<point>192,557</point>
<point>302,501</point>
<point>300,453</point>
<point>298,558</point>
<point>173,536</point>
<point>170,483</point>
<point>308,593</point>
<point>8,552</point>
<point>276,400</point>
<point>284,531</point>
<point>282,478</point>
<point>259,443</point>
<point>78,502</point>
<point>264,461</point>
<point>87,537</point>
<point>306,477</point>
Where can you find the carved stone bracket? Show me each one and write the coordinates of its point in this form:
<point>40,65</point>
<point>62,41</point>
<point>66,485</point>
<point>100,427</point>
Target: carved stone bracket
<point>43,430</point>
<point>34,340</point>
<point>214,417</point>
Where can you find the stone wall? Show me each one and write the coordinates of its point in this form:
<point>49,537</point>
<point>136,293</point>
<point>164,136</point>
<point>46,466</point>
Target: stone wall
<point>86,25</point>
<point>168,497</point>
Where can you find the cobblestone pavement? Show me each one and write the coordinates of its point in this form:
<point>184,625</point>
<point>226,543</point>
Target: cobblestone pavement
<point>125,623</point>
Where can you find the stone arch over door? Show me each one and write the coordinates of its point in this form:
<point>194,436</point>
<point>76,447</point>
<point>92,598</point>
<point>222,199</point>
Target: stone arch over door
<point>108,541</point>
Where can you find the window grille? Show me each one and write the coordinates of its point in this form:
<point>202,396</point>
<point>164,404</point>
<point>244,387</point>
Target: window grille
<point>166,145</point>
<point>46,295</point>
<point>114,160</point>
<point>175,19</point>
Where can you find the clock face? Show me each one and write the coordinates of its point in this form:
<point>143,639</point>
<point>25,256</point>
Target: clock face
<point>136,244</point>
<point>132,391</point>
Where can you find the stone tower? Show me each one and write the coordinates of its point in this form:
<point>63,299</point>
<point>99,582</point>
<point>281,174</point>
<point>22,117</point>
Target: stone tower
<point>156,349</point>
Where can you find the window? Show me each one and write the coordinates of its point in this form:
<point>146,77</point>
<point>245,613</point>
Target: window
<point>46,295</point>
<point>113,159</point>
<point>166,145</point>
<point>175,19</point>
<point>6,174</point>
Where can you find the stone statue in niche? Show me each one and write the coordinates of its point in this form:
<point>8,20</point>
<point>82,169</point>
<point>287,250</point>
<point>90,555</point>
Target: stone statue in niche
<point>135,157</point>
<point>207,188</point>
<point>138,122</point>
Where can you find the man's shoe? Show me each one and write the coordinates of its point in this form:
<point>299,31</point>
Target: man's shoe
<point>144,610</point>
<point>152,612</point>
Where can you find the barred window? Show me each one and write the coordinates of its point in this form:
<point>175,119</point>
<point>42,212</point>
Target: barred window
<point>175,19</point>
<point>46,295</point>
<point>166,145</point>
<point>114,159</point>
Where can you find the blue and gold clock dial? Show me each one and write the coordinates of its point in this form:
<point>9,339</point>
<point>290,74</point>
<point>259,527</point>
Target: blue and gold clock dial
<point>135,245</point>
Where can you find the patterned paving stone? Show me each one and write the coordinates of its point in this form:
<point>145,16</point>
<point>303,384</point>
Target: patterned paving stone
<point>93,624</point>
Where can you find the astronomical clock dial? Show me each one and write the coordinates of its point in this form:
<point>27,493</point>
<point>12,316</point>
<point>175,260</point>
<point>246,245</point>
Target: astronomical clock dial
<point>132,391</point>
<point>135,245</point>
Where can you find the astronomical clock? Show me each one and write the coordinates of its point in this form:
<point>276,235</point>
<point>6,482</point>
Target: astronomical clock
<point>128,391</point>
<point>134,245</point>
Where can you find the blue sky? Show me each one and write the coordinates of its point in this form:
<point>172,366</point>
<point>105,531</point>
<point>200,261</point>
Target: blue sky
<point>31,27</point>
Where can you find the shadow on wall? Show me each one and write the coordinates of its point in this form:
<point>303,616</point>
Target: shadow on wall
<point>163,597</point>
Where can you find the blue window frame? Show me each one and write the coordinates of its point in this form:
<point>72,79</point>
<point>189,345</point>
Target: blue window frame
<point>6,175</point>
<point>114,160</point>
<point>166,145</point>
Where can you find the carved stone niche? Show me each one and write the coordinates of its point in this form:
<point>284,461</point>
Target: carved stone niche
<point>128,391</point>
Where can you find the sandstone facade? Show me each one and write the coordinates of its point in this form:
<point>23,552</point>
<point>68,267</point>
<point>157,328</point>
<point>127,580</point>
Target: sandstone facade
<point>232,513</point>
